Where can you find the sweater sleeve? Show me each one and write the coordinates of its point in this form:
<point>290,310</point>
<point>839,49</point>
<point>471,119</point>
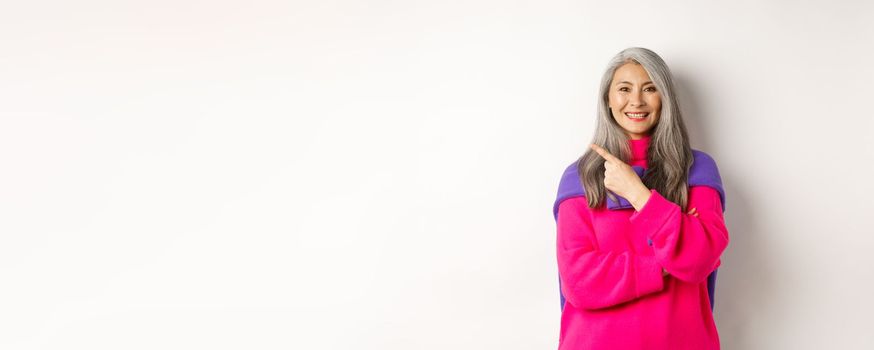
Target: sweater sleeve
<point>688,247</point>
<point>591,278</point>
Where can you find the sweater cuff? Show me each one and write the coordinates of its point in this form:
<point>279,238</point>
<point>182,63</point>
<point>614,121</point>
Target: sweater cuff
<point>654,214</point>
<point>650,278</point>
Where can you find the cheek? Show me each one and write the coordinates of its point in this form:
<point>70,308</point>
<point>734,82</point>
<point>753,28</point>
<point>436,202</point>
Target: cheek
<point>614,100</point>
<point>656,101</point>
<point>616,110</point>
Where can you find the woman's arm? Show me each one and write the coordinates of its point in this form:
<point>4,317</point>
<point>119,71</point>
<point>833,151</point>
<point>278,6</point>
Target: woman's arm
<point>593,279</point>
<point>689,246</point>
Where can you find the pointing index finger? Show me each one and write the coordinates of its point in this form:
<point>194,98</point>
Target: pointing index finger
<point>604,153</point>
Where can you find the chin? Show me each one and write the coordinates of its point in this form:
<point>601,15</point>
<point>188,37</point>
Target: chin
<point>639,131</point>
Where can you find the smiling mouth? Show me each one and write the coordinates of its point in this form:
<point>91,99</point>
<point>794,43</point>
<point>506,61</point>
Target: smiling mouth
<point>636,116</point>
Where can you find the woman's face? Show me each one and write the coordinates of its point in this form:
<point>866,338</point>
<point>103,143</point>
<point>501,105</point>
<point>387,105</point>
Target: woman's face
<point>633,94</point>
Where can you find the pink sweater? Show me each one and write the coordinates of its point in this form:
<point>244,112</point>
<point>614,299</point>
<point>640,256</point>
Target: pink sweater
<point>610,264</point>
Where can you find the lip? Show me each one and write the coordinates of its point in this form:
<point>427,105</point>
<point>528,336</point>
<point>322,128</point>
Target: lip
<point>638,120</point>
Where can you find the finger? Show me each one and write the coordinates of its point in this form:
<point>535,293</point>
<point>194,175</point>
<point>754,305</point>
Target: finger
<point>605,154</point>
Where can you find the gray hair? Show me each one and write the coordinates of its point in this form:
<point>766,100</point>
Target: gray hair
<point>669,156</point>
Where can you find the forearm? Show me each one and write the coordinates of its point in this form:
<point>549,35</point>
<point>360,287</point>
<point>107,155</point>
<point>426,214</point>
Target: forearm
<point>596,279</point>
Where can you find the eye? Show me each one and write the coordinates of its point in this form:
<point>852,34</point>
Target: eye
<point>623,89</point>
<point>650,89</point>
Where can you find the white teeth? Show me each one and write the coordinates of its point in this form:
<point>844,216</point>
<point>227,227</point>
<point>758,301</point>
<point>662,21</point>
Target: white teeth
<point>636,115</point>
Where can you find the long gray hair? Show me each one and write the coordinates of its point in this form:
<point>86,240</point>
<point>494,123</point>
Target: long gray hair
<point>669,155</point>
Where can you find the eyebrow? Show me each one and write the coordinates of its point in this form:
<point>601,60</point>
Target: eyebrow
<point>621,82</point>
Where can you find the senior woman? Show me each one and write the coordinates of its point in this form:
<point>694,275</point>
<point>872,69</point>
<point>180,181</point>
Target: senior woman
<point>639,216</point>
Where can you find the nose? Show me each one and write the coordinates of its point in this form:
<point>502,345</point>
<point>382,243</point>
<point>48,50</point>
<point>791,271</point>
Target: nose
<point>636,100</point>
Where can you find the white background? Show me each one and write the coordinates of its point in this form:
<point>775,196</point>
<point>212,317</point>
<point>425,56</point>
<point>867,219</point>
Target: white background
<point>380,175</point>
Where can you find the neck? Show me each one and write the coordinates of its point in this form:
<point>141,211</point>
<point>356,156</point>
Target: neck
<point>639,149</point>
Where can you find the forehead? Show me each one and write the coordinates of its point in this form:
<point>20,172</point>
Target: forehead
<point>631,73</point>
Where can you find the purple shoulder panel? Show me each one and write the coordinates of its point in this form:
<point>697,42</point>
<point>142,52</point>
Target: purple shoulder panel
<point>568,187</point>
<point>705,173</point>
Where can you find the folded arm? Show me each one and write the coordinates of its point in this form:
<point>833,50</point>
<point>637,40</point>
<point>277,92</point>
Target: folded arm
<point>688,246</point>
<point>591,278</point>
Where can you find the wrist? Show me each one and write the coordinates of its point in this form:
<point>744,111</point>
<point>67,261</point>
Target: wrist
<point>640,198</point>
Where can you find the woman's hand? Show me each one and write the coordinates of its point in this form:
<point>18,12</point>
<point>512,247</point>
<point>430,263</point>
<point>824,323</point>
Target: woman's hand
<point>620,178</point>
